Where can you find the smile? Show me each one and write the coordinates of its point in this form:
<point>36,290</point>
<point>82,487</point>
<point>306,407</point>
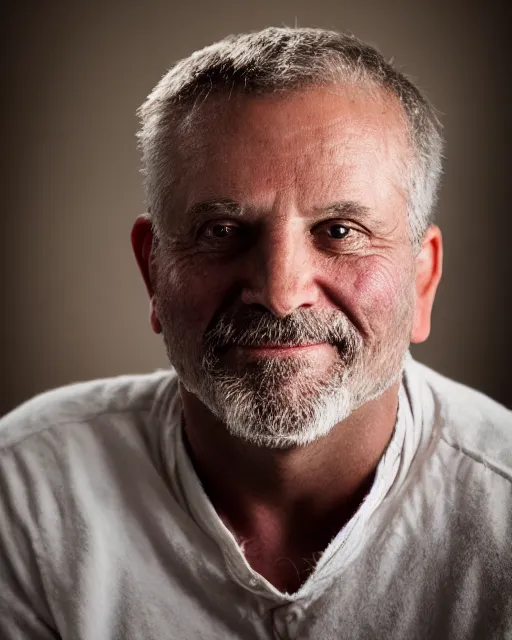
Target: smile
<point>277,350</point>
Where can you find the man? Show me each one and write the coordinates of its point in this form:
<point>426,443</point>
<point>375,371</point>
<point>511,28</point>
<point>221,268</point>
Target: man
<point>297,474</point>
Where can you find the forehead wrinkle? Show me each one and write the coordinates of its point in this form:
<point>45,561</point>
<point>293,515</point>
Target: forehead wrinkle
<point>330,160</point>
<point>246,111</point>
<point>241,121</point>
<point>320,139</point>
<point>356,137</point>
<point>345,208</point>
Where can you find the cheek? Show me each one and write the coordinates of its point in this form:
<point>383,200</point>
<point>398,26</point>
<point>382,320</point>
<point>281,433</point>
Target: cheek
<point>190,295</point>
<point>377,291</point>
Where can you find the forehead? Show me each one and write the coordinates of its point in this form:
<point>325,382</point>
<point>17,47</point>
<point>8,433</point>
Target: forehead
<point>313,142</point>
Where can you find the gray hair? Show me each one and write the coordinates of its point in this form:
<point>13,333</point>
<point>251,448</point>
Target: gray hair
<point>280,60</point>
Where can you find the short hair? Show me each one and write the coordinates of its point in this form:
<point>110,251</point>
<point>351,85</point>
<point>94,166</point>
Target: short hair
<point>285,59</point>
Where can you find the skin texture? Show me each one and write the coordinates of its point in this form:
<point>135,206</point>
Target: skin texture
<point>283,160</point>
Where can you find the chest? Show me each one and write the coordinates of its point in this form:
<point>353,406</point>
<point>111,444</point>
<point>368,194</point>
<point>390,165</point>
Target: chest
<point>286,572</point>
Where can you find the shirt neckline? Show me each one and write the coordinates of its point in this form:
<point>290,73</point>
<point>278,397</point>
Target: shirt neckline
<point>345,546</point>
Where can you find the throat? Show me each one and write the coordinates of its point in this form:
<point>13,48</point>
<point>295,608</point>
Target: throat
<point>286,571</point>
<point>286,552</point>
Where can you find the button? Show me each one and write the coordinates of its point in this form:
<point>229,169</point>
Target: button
<point>287,621</point>
<point>294,617</point>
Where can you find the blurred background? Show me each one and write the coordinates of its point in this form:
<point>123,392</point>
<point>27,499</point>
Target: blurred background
<point>74,304</point>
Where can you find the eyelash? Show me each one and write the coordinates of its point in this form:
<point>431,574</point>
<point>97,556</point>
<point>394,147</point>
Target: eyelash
<point>237,227</point>
<point>218,224</point>
<point>337,224</point>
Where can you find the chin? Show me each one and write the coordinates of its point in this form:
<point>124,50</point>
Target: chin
<point>280,421</point>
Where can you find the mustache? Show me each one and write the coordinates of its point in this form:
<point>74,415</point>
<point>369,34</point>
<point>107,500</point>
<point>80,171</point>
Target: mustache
<point>252,327</point>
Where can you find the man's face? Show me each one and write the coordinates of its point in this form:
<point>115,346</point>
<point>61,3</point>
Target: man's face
<point>285,278</point>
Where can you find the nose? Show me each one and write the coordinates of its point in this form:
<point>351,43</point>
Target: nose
<point>280,274</point>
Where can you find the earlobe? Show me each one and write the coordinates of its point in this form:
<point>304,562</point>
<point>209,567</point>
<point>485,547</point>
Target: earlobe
<point>429,263</point>
<point>153,317</point>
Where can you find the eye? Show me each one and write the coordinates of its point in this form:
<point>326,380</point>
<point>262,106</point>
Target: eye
<point>339,236</point>
<point>333,230</point>
<point>220,231</point>
<point>337,231</point>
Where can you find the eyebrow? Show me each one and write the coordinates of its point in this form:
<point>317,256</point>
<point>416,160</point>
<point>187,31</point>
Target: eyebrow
<point>346,208</point>
<point>197,212</point>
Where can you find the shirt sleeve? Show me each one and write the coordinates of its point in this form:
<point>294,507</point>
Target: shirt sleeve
<point>24,612</point>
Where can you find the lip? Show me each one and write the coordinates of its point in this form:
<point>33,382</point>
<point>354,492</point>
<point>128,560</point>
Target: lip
<point>277,350</point>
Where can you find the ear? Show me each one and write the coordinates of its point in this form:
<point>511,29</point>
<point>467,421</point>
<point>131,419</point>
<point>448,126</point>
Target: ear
<point>143,244</point>
<point>429,265</point>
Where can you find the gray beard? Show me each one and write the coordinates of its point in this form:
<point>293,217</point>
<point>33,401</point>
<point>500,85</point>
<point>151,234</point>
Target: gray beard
<point>282,403</point>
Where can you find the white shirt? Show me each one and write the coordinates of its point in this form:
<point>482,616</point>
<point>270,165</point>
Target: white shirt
<point>106,532</point>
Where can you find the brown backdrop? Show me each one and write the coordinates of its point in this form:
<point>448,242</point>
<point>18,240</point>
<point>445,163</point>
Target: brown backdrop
<point>74,305</point>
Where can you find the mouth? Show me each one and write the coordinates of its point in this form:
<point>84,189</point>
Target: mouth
<point>276,350</point>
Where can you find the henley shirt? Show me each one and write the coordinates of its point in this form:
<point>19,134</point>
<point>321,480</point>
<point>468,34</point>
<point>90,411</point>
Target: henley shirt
<point>107,534</point>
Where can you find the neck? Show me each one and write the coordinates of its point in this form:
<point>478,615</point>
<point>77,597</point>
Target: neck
<point>268,494</point>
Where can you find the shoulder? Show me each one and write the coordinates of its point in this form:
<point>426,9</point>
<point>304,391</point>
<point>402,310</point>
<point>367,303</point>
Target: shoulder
<point>84,402</point>
<point>466,419</point>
